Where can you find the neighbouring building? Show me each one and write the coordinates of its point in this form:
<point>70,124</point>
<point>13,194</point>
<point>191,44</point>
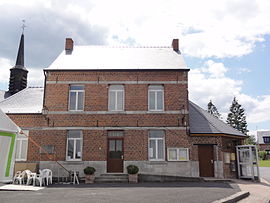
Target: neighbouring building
<point>263,139</point>
<point>109,107</point>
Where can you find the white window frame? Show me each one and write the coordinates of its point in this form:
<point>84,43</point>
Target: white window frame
<point>116,91</point>
<point>156,146</point>
<point>77,98</point>
<point>177,154</point>
<point>155,92</point>
<point>19,142</point>
<point>74,147</point>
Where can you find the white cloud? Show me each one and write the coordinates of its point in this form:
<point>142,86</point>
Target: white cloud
<point>211,83</point>
<point>224,28</point>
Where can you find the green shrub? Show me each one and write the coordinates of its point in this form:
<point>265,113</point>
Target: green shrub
<point>132,169</point>
<point>89,170</point>
<point>262,155</point>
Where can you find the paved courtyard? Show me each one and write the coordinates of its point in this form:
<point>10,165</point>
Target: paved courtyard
<point>143,192</point>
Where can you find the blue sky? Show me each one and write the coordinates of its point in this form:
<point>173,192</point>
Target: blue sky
<point>225,43</point>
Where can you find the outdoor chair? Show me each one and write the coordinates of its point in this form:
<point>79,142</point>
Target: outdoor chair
<point>39,177</point>
<point>47,176</point>
<point>19,176</point>
<point>30,176</point>
<point>16,175</point>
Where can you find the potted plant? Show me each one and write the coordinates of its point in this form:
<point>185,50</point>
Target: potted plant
<point>132,173</point>
<point>89,174</point>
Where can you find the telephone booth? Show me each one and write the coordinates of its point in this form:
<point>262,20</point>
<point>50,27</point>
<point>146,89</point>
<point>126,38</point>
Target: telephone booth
<point>247,162</point>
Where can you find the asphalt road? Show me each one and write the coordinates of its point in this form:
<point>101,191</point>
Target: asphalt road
<point>143,192</point>
<point>265,173</point>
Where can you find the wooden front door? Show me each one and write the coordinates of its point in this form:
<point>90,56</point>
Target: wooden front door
<point>206,160</point>
<point>115,155</point>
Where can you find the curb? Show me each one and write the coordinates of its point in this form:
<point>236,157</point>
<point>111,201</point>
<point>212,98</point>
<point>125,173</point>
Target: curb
<point>234,198</point>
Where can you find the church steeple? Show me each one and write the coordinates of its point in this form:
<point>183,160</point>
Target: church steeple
<point>18,74</point>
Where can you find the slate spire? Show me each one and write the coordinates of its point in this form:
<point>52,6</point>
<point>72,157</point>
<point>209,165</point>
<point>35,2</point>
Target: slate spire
<point>18,74</point>
<point>20,56</point>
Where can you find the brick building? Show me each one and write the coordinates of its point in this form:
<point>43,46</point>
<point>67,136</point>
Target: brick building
<point>109,107</point>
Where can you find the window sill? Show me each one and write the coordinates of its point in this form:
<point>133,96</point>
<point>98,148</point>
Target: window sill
<point>178,160</point>
<point>153,162</point>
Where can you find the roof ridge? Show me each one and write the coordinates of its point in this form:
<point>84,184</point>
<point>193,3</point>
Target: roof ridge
<point>124,46</point>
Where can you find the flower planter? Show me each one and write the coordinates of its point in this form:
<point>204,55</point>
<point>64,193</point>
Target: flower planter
<point>89,179</point>
<point>133,178</point>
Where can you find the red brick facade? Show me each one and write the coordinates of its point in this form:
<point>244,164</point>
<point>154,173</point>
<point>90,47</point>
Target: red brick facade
<point>51,127</point>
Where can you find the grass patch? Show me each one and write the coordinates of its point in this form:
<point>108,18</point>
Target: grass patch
<point>264,163</point>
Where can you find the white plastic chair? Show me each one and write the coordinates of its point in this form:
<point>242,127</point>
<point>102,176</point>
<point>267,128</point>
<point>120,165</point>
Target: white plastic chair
<point>47,176</point>
<point>38,177</point>
<point>16,175</point>
<point>19,177</point>
<point>30,176</point>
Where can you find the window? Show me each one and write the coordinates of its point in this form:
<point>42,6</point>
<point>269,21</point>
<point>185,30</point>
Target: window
<point>116,98</point>
<point>178,154</point>
<point>267,151</point>
<point>48,148</point>
<point>76,97</point>
<point>155,98</point>
<point>21,147</point>
<point>156,145</point>
<point>266,140</point>
<point>74,145</point>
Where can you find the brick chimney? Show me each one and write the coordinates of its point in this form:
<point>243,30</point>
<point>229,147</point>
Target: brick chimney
<point>69,45</point>
<point>175,45</point>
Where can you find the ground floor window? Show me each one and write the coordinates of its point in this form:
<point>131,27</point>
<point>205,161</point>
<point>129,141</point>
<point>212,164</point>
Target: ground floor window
<point>74,145</point>
<point>178,154</point>
<point>268,151</point>
<point>21,146</point>
<point>156,145</point>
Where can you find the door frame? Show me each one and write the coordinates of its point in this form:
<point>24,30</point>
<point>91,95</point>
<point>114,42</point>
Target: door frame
<point>108,145</point>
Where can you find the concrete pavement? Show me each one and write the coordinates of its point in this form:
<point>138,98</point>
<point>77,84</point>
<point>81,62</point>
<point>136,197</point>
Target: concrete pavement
<point>189,192</point>
<point>259,192</point>
<point>265,173</point>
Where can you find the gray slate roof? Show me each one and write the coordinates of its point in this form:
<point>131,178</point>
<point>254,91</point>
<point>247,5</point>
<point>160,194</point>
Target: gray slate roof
<point>201,122</point>
<point>28,100</point>
<point>123,58</point>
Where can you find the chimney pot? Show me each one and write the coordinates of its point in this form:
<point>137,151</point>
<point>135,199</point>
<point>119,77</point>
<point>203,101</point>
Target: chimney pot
<point>175,44</point>
<point>69,45</point>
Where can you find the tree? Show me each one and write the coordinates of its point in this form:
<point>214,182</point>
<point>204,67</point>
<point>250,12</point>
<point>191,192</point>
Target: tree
<point>250,140</point>
<point>236,118</point>
<point>212,109</point>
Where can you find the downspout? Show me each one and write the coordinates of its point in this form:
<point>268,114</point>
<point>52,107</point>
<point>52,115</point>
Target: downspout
<point>45,81</point>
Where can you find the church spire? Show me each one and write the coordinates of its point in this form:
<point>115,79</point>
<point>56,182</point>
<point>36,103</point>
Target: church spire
<point>18,74</point>
<point>20,55</point>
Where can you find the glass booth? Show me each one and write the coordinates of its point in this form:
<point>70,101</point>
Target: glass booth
<point>247,162</point>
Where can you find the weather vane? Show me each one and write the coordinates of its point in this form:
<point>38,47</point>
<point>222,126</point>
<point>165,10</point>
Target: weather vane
<point>23,26</point>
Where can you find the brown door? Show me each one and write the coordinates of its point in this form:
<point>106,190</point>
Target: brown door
<point>206,160</point>
<point>115,155</point>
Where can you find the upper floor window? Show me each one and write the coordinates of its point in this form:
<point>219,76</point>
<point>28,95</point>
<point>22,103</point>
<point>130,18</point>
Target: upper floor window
<point>74,145</point>
<point>266,140</point>
<point>116,98</point>
<point>155,98</point>
<point>76,97</point>
<point>21,147</point>
<point>156,147</point>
